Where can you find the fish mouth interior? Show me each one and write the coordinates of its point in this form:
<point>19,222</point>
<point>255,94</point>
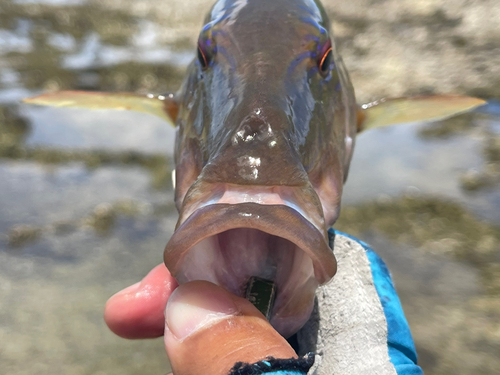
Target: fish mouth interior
<point>227,244</point>
<point>231,258</point>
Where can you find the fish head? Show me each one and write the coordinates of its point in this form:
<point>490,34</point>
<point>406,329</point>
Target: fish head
<point>265,134</point>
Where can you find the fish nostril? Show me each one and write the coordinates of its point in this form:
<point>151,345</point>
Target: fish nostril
<point>248,133</point>
<point>252,129</point>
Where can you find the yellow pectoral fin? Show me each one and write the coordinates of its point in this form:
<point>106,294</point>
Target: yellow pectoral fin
<point>164,107</point>
<point>388,112</point>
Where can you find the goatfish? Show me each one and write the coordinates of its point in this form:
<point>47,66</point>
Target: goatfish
<point>266,122</point>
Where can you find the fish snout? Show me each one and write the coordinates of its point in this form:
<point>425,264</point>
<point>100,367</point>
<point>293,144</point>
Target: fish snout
<point>256,154</point>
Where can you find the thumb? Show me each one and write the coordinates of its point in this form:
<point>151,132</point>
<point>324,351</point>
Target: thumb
<point>208,330</point>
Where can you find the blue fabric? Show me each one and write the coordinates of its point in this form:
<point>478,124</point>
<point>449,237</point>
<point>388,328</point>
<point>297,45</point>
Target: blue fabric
<point>400,344</point>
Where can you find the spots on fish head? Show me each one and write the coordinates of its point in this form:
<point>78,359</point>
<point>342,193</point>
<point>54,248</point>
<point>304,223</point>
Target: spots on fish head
<point>249,167</point>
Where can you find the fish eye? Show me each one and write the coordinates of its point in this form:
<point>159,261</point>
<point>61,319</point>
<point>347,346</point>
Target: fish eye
<point>326,60</point>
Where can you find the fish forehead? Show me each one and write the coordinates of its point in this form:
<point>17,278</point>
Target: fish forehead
<point>249,32</point>
<point>265,9</point>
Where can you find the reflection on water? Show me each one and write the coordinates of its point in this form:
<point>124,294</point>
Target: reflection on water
<point>86,47</point>
<point>86,203</point>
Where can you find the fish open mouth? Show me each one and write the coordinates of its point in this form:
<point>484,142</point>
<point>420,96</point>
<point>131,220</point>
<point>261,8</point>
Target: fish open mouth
<point>227,244</point>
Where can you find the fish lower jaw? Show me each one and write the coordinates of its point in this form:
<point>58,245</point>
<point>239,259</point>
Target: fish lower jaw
<point>228,244</point>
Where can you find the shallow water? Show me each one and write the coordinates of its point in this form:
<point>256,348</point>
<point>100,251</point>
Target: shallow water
<point>86,199</point>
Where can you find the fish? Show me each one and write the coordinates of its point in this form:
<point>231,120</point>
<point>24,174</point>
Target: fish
<point>266,122</point>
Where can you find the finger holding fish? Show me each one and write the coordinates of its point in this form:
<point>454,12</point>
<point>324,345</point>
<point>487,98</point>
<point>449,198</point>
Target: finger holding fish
<point>207,329</point>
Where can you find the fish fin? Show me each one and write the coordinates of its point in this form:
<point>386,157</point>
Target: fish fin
<point>163,106</point>
<point>387,112</point>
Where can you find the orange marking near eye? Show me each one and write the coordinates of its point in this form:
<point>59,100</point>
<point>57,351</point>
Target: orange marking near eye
<point>205,61</point>
<point>324,57</point>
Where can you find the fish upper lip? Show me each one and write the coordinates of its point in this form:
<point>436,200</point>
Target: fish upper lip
<point>278,220</point>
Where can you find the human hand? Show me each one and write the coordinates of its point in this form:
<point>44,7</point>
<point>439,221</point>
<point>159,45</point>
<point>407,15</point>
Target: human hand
<point>207,329</point>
